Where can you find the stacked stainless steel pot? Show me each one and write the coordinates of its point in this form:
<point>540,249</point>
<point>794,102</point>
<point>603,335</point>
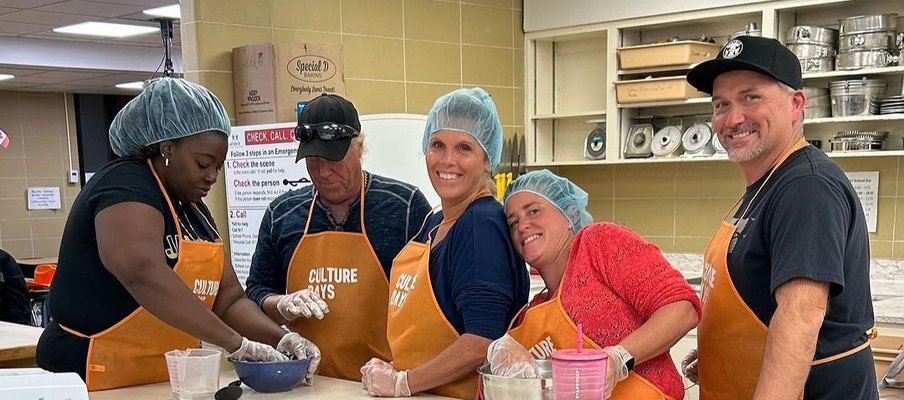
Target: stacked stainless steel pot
<point>814,46</point>
<point>856,96</point>
<point>867,41</point>
<point>819,104</point>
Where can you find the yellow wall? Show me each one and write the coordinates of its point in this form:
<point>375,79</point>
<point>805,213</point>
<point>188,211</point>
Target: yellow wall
<point>38,155</point>
<point>679,205</point>
<point>400,55</point>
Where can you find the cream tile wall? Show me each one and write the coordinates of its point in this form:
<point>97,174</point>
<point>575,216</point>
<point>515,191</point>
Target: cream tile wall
<point>38,155</point>
<point>679,205</point>
<point>400,55</point>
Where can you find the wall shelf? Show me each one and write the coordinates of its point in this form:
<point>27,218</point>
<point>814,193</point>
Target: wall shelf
<point>857,72</point>
<point>857,118</point>
<point>573,68</point>
<point>696,100</point>
<point>578,114</point>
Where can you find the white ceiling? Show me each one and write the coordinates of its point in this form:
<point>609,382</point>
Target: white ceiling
<point>43,60</point>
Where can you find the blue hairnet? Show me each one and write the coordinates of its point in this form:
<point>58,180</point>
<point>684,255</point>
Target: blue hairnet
<point>562,193</point>
<point>166,109</point>
<point>471,111</point>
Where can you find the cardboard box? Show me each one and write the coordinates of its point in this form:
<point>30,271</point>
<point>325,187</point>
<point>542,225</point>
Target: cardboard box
<point>664,54</point>
<point>655,89</point>
<point>270,79</point>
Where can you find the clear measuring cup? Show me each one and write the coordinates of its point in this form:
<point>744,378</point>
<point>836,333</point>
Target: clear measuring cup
<point>194,373</point>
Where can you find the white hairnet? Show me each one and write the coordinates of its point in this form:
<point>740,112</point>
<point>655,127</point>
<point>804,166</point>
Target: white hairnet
<point>166,109</point>
<point>570,199</point>
<point>471,111</point>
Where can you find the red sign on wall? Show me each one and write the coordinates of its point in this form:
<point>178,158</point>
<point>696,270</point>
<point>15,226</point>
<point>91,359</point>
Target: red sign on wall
<point>269,136</point>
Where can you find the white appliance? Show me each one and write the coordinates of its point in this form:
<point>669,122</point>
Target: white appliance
<point>38,384</point>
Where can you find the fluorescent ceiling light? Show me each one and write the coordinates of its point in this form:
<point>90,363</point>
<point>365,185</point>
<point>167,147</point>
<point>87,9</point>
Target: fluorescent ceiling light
<point>165,11</point>
<point>131,85</point>
<point>4,77</point>
<point>106,29</point>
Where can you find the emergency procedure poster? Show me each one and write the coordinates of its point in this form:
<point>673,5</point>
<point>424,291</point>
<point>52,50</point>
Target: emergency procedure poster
<point>260,166</point>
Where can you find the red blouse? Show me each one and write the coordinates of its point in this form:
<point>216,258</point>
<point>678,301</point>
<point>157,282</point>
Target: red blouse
<point>615,280</point>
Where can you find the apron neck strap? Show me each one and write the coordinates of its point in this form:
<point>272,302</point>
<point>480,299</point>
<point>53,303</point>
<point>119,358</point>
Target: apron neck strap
<point>781,159</point>
<point>360,207</point>
<point>166,197</point>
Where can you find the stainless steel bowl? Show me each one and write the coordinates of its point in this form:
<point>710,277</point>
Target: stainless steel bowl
<point>811,50</point>
<point>864,59</point>
<point>812,91</point>
<point>869,23</point>
<point>505,388</point>
<point>846,105</point>
<point>819,102</point>
<point>817,112</point>
<point>868,41</point>
<point>812,34</point>
<point>819,64</point>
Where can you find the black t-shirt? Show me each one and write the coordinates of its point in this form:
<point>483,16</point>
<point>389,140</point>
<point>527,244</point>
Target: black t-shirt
<point>84,295</point>
<point>807,222</point>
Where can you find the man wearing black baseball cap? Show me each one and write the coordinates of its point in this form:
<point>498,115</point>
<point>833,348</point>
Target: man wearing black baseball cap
<point>325,250</point>
<point>786,296</point>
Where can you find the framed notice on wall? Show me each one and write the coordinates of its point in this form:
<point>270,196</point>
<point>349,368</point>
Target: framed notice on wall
<point>867,186</point>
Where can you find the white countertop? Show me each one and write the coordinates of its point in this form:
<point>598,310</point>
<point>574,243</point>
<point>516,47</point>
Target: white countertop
<point>323,388</point>
<point>18,342</point>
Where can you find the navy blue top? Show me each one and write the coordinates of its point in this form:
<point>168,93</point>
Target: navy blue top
<point>478,280</point>
<point>393,211</point>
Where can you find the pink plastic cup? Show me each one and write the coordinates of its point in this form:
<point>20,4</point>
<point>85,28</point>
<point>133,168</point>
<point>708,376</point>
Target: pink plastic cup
<point>579,375</point>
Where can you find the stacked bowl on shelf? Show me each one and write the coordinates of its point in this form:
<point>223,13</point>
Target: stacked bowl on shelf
<point>819,104</point>
<point>814,46</point>
<point>856,96</point>
<point>867,41</point>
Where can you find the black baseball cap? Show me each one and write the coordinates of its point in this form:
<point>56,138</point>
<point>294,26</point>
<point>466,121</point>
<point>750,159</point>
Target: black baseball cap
<point>327,108</point>
<point>752,53</point>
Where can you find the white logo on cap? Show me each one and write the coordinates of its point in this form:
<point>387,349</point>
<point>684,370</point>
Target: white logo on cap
<point>732,49</point>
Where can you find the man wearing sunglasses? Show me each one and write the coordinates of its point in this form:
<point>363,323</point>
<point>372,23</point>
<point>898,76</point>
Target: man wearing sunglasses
<point>324,251</point>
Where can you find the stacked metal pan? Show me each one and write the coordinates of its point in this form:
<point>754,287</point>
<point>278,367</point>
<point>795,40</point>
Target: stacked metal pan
<point>867,41</point>
<point>859,140</point>
<point>856,96</point>
<point>819,104</point>
<point>814,46</point>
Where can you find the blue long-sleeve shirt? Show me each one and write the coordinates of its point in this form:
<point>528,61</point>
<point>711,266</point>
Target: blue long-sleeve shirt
<point>393,213</point>
<point>478,280</point>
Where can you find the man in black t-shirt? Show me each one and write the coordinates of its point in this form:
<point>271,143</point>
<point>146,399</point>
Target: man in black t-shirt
<point>786,296</point>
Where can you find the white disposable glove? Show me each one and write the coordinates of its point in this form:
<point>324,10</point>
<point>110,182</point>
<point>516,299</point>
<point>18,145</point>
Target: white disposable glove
<point>508,358</point>
<point>617,366</point>
<point>302,348</point>
<point>256,351</point>
<point>382,380</point>
<point>301,303</point>
<point>689,366</point>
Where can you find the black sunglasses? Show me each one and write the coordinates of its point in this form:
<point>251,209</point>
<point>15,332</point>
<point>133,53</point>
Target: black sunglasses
<point>324,131</point>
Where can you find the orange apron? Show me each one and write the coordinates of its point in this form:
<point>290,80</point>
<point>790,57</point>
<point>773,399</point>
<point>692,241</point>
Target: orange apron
<point>417,329</point>
<point>547,327</point>
<point>344,270</point>
<point>130,352</point>
<point>731,339</point>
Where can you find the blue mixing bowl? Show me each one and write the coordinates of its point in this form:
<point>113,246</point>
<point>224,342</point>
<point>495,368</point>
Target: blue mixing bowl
<point>270,377</point>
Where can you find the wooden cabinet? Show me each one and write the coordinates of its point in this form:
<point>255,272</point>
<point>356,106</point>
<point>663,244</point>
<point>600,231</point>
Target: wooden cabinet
<point>571,74</point>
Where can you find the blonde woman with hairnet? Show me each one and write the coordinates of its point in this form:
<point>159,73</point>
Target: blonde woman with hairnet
<point>628,298</point>
<point>455,287</point>
<point>141,265</point>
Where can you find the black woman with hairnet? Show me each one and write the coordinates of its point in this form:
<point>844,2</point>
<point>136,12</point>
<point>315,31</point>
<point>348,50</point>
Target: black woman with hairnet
<point>141,267</point>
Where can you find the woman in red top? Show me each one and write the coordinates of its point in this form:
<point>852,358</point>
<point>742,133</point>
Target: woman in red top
<point>629,300</point>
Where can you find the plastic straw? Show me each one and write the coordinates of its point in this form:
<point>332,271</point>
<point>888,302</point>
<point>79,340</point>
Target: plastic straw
<point>580,337</point>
